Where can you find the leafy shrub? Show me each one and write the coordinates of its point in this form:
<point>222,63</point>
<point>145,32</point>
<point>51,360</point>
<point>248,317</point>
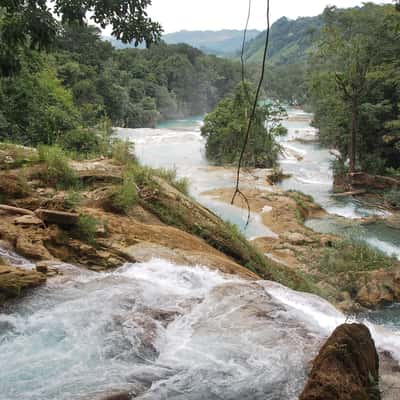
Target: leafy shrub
<point>123,197</point>
<point>123,151</point>
<point>57,170</point>
<point>143,175</point>
<point>393,197</point>
<point>276,175</point>
<point>86,229</point>
<point>373,164</point>
<point>281,130</point>
<point>84,142</point>
<point>395,172</point>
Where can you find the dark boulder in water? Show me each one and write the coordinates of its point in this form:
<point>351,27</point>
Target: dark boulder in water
<point>346,368</point>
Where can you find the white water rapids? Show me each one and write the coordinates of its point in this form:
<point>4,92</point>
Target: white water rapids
<point>163,331</point>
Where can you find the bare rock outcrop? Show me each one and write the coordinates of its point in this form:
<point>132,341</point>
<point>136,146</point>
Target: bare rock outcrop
<point>346,368</point>
<point>13,281</point>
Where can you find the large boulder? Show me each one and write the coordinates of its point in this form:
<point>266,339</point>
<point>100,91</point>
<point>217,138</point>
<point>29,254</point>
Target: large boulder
<point>346,368</point>
<point>378,288</point>
<point>13,281</point>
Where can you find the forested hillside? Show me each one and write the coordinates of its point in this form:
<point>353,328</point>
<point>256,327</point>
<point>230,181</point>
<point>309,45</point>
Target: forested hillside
<point>84,80</point>
<point>290,41</point>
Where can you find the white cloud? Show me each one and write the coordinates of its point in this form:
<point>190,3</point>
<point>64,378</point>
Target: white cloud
<point>175,15</point>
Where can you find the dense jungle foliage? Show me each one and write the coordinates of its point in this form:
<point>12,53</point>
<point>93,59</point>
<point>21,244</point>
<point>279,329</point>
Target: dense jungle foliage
<point>81,81</point>
<point>354,80</point>
<point>344,66</point>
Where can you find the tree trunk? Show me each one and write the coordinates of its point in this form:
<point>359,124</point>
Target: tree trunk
<point>353,138</point>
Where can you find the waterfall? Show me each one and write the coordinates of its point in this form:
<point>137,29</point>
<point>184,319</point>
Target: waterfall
<point>163,331</point>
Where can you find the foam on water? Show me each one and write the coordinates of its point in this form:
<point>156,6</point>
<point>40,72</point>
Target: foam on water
<point>164,331</point>
<point>155,328</point>
<point>321,314</point>
<point>14,259</point>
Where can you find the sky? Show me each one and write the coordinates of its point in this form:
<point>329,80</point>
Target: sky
<point>175,15</point>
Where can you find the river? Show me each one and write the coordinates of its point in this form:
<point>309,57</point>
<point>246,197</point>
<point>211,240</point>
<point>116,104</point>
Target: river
<point>163,331</point>
<point>178,144</point>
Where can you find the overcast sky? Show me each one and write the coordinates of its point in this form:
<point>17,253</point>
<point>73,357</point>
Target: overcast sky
<point>175,15</point>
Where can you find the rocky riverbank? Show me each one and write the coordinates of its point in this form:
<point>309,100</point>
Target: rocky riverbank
<point>166,223</point>
<point>346,273</point>
<point>380,191</point>
<point>40,223</point>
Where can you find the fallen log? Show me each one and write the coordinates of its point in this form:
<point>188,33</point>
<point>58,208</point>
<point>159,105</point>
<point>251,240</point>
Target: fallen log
<point>15,210</point>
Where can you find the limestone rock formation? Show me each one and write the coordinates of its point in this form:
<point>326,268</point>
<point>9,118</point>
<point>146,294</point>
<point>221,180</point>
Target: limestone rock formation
<point>13,281</point>
<point>346,368</point>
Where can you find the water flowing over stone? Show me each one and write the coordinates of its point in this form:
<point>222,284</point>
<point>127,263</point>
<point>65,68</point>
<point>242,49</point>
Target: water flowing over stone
<point>162,331</point>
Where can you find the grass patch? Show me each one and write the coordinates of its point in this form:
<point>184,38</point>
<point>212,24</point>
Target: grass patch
<point>123,152</point>
<point>302,205</point>
<point>351,255</point>
<point>56,169</point>
<point>170,175</point>
<point>143,176</point>
<point>300,197</point>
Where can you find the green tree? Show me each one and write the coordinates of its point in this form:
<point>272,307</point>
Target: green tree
<point>225,128</point>
<point>37,108</point>
<point>355,85</point>
<point>31,24</point>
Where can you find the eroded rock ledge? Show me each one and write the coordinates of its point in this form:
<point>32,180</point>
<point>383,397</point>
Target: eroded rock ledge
<point>14,281</point>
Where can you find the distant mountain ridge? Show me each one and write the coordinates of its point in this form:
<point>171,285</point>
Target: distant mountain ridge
<point>224,43</point>
<point>290,40</point>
